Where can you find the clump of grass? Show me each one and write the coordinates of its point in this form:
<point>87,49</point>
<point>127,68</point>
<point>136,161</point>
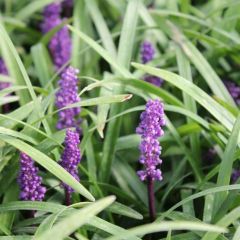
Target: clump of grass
<point>195,54</point>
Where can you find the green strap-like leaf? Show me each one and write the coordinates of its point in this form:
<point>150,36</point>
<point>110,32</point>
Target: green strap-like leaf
<point>167,226</point>
<point>32,7</point>
<point>224,222</point>
<point>225,170</point>
<point>71,223</point>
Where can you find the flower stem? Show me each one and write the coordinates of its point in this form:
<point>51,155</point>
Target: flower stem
<point>29,214</point>
<point>151,199</point>
<point>67,197</point>
<point>6,108</point>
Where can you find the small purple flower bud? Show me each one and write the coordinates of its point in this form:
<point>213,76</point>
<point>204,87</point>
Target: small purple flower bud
<point>147,55</point>
<point>147,52</point>
<point>234,90</point>
<point>3,71</point>
<point>235,175</point>
<point>71,156</point>
<point>153,80</point>
<point>29,181</point>
<point>66,95</point>
<point>150,129</point>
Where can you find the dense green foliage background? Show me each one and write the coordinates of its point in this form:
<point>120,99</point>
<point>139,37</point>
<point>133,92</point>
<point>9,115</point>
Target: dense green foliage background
<point>198,46</point>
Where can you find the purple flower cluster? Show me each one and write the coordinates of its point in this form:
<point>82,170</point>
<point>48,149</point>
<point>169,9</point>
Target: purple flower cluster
<point>29,181</point>
<point>234,90</point>
<point>68,94</point>
<point>150,129</point>
<point>3,71</point>
<point>147,54</point>
<point>71,156</point>
<point>60,44</point>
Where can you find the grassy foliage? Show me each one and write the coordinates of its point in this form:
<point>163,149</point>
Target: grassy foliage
<point>197,46</point>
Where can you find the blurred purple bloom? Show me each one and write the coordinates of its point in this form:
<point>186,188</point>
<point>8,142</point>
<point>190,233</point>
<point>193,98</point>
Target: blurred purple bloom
<point>67,8</point>
<point>60,45</point>
<point>234,90</point>
<point>153,80</point>
<point>66,95</point>
<point>209,154</point>
<point>71,156</point>
<point>52,17</point>
<point>67,3</point>
<point>147,52</point>
<point>235,175</point>
<point>147,55</point>
<point>150,129</point>
<point>29,181</point>
<point>3,68</point>
<point>52,10</point>
<point>3,71</point>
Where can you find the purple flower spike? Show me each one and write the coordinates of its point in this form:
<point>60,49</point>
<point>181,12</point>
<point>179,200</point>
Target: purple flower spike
<point>150,129</point>
<point>60,47</point>
<point>71,156</point>
<point>234,91</point>
<point>68,94</point>
<point>60,44</point>
<point>29,181</point>
<point>3,71</point>
<point>154,80</point>
<point>147,52</point>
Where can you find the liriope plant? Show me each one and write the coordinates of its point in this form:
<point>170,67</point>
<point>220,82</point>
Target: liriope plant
<point>88,80</point>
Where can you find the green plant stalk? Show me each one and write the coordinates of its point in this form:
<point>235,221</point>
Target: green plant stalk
<point>151,199</point>
<point>101,27</point>
<point>225,170</point>
<point>185,71</point>
<point>78,23</point>
<point>185,149</point>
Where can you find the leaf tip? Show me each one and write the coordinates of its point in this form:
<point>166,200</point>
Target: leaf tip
<point>127,97</point>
